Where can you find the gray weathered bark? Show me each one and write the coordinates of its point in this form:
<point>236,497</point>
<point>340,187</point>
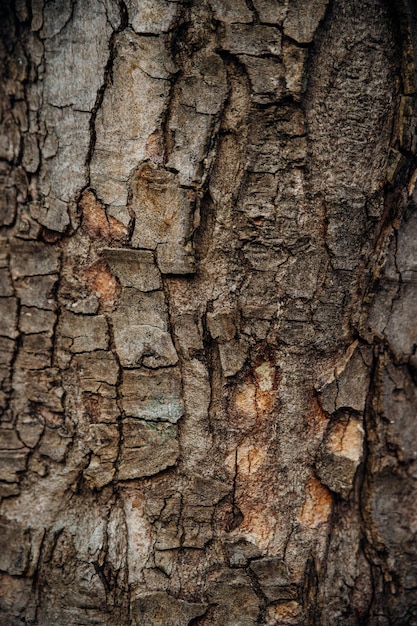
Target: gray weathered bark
<point>207,300</point>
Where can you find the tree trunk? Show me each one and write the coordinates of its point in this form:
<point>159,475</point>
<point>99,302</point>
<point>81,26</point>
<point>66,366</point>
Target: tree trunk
<point>207,301</point>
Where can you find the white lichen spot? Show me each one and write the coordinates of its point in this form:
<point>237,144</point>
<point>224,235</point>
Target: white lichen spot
<point>265,375</point>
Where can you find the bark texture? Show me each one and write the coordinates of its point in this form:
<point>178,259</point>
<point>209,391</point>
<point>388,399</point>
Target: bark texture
<point>208,336</point>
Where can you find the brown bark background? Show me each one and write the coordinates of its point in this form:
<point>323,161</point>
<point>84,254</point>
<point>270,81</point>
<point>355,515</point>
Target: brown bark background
<point>208,335</point>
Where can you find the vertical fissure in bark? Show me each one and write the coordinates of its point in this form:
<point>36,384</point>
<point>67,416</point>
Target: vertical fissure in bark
<point>107,81</point>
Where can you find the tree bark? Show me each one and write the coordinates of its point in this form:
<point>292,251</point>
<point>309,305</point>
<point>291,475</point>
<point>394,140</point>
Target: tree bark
<point>207,301</point>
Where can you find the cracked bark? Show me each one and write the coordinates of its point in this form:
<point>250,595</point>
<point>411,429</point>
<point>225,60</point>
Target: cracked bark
<point>207,295</point>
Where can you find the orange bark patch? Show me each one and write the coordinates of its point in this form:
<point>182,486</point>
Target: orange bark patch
<point>265,401</point>
<point>100,280</point>
<point>94,219</point>
<point>242,409</point>
<point>249,458</point>
<point>266,380</point>
<point>317,505</point>
<point>252,496</point>
<point>244,403</point>
<point>155,147</point>
<point>96,222</point>
<point>317,420</point>
<point>257,526</point>
<point>118,231</point>
<point>346,440</point>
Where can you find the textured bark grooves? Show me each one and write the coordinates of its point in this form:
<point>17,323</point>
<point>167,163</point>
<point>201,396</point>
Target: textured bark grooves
<point>207,300</point>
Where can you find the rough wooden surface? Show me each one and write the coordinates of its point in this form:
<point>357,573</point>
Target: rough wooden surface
<point>207,302</point>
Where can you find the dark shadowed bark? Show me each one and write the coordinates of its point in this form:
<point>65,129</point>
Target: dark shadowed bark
<point>208,330</point>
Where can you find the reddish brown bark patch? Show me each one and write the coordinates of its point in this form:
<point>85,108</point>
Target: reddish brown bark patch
<point>317,505</point>
<point>99,279</point>
<point>95,221</point>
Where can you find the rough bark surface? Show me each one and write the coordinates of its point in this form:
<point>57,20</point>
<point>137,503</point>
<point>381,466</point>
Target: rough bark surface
<point>208,337</point>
